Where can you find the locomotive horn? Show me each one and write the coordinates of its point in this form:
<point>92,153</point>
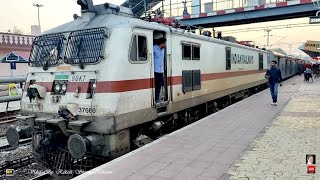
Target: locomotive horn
<point>86,5</point>
<point>15,134</point>
<point>78,145</point>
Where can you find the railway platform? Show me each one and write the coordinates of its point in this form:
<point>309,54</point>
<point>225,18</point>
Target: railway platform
<point>248,140</point>
<point>13,106</point>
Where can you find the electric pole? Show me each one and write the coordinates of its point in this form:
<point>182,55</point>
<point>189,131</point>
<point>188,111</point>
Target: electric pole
<point>268,31</point>
<point>185,11</point>
<point>38,6</point>
<point>290,49</point>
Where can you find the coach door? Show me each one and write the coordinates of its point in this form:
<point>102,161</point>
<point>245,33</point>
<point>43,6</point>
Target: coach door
<point>163,95</point>
<point>286,68</point>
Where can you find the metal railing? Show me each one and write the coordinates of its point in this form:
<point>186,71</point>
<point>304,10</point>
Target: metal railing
<point>85,46</point>
<point>176,7</point>
<point>47,50</point>
<point>316,3</point>
<point>11,96</point>
<point>12,79</point>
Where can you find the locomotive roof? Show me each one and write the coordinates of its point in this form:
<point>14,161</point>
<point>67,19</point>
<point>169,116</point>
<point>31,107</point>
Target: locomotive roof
<point>91,20</point>
<point>275,53</point>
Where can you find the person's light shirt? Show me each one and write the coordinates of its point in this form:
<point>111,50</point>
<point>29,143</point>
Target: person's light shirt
<point>158,59</point>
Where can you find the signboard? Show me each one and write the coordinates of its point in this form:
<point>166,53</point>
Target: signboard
<point>13,65</point>
<point>314,20</point>
<point>313,46</point>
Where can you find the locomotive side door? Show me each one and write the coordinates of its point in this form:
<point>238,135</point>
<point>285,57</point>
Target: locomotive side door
<point>161,75</point>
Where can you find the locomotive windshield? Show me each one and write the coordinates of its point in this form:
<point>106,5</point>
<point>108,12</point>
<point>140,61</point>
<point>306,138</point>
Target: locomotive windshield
<point>85,46</point>
<point>46,50</point>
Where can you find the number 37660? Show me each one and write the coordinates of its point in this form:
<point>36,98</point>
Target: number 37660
<point>87,110</point>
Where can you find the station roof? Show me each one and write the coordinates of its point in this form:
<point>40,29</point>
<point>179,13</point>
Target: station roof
<point>312,49</point>
<point>16,56</point>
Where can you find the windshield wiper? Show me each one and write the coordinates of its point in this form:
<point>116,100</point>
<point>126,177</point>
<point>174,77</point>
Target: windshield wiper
<point>80,49</point>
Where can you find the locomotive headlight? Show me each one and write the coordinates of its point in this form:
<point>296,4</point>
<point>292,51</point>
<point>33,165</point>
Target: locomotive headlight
<point>57,87</point>
<point>64,87</point>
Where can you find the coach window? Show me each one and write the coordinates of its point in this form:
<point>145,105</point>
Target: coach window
<point>186,81</point>
<point>260,61</point>
<point>228,58</point>
<point>195,52</point>
<point>138,51</point>
<point>286,67</point>
<point>186,51</point>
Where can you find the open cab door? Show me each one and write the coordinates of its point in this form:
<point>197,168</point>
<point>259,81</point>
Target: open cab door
<point>162,72</point>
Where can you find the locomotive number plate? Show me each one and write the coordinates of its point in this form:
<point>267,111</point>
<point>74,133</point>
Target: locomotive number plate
<point>87,110</point>
<point>35,107</point>
<point>78,78</point>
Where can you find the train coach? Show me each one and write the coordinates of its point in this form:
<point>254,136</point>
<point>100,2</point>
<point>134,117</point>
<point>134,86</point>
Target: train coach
<point>287,64</point>
<point>90,90</point>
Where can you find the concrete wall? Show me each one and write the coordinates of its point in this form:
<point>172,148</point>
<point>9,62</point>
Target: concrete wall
<point>22,69</point>
<point>4,52</point>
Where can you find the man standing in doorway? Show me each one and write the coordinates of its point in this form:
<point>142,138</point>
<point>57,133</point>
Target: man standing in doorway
<point>158,51</point>
<point>274,77</point>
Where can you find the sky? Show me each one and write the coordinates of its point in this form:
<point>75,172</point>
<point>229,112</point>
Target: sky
<point>22,14</point>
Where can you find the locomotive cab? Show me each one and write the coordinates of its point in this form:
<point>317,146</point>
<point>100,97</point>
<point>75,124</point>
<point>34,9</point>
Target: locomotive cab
<point>72,91</point>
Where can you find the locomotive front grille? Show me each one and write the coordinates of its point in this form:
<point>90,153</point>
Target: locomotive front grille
<point>61,160</point>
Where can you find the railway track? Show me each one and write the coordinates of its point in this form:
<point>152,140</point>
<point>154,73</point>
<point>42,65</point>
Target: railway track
<point>21,143</point>
<point>42,177</point>
<point>16,164</point>
<point>7,117</point>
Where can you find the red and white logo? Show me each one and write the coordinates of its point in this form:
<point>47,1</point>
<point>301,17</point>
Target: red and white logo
<point>311,169</point>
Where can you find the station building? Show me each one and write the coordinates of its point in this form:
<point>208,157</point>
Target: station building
<point>312,48</point>
<point>15,51</point>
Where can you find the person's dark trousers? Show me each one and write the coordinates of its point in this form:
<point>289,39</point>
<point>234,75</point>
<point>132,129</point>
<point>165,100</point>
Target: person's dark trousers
<point>159,81</point>
<point>305,76</point>
<point>274,91</point>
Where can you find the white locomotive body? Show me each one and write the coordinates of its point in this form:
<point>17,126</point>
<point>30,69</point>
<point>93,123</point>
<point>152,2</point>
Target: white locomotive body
<point>90,89</point>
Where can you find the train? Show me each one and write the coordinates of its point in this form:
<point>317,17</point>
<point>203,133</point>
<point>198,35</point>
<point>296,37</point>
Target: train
<point>90,91</point>
<point>289,65</point>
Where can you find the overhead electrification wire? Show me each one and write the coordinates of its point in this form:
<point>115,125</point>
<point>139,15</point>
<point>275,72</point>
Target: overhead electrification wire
<point>270,27</point>
<point>278,41</point>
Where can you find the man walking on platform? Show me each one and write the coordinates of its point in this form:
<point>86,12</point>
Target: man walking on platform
<point>274,77</point>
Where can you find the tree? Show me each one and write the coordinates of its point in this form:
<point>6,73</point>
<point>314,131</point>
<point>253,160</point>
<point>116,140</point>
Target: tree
<point>16,30</point>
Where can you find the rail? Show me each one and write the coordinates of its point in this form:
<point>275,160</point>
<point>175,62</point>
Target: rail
<point>6,117</point>
<point>16,164</point>
<point>41,177</point>
<point>21,143</point>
